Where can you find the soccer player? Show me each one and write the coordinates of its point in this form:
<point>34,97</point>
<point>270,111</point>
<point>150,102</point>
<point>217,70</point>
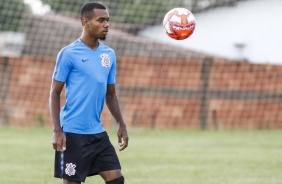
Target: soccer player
<point>87,69</point>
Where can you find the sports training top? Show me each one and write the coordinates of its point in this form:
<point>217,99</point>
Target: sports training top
<point>86,73</point>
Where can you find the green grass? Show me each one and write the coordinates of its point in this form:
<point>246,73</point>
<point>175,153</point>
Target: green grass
<point>156,157</point>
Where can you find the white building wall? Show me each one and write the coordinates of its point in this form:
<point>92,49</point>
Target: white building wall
<point>255,24</point>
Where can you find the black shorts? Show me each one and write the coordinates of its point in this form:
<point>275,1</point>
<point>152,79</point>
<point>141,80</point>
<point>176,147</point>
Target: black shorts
<point>85,155</point>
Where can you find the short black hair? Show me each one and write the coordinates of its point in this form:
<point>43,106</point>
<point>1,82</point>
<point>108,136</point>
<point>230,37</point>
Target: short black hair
<point>87,9</point>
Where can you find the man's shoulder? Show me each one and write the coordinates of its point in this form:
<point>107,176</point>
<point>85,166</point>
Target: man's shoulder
<point>70,48</point>
<point>106,47</point>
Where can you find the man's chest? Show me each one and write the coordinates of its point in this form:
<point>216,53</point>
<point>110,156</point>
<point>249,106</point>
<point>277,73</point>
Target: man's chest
<point>91,66</point>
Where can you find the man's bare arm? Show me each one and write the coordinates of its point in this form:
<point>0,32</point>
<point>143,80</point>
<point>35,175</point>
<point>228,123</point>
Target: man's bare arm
<point>59,140</point>
<point>113,105</point>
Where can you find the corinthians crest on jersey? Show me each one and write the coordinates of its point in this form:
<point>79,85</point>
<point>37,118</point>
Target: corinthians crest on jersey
<point>106,62</point>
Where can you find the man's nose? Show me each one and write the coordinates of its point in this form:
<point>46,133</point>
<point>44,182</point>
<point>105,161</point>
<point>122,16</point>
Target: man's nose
<point>106,24</point>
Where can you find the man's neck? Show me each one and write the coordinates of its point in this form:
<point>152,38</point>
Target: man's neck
<point>90,42</point>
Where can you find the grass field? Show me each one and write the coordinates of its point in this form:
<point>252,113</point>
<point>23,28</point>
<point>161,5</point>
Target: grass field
<point>156,157</point>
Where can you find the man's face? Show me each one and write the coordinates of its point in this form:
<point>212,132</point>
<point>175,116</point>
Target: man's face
<point>99,24</point>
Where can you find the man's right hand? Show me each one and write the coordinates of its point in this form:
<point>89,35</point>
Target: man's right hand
<point>59,141</point>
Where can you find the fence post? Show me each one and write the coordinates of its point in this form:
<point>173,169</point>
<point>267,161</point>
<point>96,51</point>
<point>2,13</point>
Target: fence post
<point>5,91</point>
<point>205,77</point>
<point>153,120</point>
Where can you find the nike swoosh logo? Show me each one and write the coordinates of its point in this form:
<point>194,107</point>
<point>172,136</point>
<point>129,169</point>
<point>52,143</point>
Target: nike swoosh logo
<point>83,60</point>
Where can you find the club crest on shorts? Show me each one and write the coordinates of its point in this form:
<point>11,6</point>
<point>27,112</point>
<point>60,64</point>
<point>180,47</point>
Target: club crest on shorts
<point>106,62</point>
<point>70,169</point>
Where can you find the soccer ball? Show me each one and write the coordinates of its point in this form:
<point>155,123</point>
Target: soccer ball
<point>179,23</point>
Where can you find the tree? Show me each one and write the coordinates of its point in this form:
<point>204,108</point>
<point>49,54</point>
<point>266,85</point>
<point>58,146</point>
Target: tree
<point>137,13</point>
<point>121,11</point>
<point>10,15</point>
<point>69,7</point>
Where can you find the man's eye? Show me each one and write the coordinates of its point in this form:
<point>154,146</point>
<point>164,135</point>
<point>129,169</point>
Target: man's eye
<point>102,20</point>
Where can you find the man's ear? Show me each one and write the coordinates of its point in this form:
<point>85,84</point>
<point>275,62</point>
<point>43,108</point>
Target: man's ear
<point>85,22</point>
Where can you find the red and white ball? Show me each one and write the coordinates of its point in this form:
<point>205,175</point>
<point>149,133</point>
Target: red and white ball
<point>179,23</point>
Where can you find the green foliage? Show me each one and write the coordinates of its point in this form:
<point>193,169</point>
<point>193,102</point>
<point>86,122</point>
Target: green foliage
<point>121,11</point>
<point>140,11</point>
<point>134,11</point>
<point>68,7</point>
<point>11,14</point>
<point>39,119</point>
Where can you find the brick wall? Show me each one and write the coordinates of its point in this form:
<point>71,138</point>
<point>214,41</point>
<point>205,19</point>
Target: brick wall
<point>180,93</point>
<point>161,93</point>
